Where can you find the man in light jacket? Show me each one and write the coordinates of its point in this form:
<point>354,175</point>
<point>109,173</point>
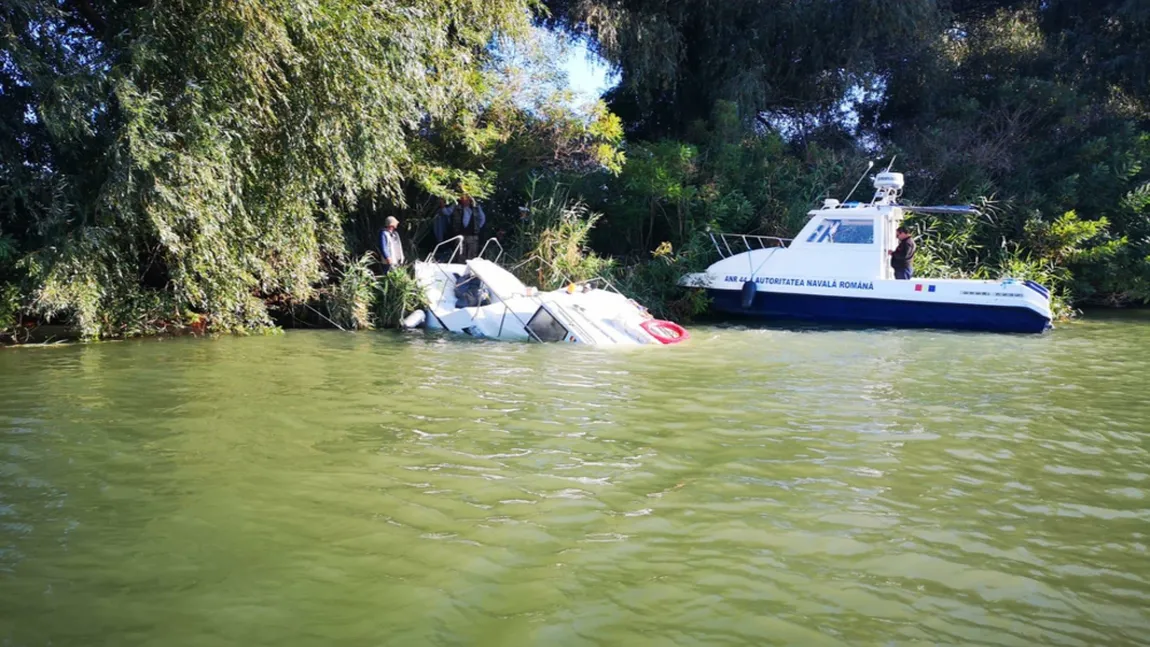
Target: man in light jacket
<point>390,245</point>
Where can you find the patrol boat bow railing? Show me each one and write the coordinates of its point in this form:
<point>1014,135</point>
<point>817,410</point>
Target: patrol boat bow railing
<point>722,243</point>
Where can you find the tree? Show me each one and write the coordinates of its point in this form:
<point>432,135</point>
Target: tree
<point>162,160</point>
<point>794,58</point>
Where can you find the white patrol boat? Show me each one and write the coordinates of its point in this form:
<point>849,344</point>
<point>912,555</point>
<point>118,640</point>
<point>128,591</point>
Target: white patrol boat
<point>482,299</point>
<point>837,270</point>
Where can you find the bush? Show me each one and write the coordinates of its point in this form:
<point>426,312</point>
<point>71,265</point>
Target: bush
<point>349,301</point>
<point>551,241</point>
<point>396,295</point>
<point>654,282</point>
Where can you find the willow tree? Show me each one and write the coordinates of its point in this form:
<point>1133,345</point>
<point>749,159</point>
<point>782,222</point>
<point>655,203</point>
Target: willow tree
<point>789,58</point>
<point>170,159</point>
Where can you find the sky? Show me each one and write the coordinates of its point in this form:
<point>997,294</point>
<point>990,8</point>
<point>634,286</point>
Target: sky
<point>588,74</point>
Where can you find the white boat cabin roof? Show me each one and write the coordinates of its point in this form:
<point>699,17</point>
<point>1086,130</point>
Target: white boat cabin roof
<point>839,241</point>
<point>499,281</point>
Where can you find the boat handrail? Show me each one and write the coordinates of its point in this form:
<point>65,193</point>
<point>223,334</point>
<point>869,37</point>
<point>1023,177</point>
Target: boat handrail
<point>536,257</point>
<point>507,309</point>
<point>458,240</point>
<point>607,285</point>
<point>497,244</point>
<point>749,242</point>
<point>447,279</point>
<point>570,320</point>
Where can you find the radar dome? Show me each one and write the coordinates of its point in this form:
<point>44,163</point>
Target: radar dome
<point>889,181</point>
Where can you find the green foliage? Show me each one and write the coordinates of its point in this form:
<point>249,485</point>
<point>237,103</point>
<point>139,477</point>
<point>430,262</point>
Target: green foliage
<point>654,282</point>
<point>349,300</point>
<point>9,292</point>
<point>1065,240</point>
<point>397,294</point>
<point>790,57</point>
<point>552,238</point>
<point>200,155</point>
<point>361,300</point>
<point>658,189</point>
<point>722,177</point>
<point>9,310</point>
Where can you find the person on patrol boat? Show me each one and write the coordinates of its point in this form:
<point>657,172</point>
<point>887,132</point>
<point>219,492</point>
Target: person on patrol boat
<point>901,256</point>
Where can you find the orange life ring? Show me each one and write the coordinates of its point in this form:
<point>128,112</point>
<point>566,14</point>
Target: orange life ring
<point>667,332</point>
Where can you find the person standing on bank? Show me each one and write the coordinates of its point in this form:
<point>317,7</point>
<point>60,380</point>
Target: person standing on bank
<point>901,256</point>
<point>467,220</point>
<point>441,222</point>
<point>390,245</point>
<point>440,225</point>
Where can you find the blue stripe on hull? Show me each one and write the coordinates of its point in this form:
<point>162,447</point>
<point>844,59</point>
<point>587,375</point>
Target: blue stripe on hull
<point>881,312</point>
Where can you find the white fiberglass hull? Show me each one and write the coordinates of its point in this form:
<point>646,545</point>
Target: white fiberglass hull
<point>505,309</point>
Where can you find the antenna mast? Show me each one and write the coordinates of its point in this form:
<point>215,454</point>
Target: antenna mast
<point>869,166</point>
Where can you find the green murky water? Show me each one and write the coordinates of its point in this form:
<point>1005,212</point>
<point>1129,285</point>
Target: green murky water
<point>753,487</point>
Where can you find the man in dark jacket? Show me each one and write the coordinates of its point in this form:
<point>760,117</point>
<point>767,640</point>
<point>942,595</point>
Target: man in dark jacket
<point>471,220</point>
<point>463,219</point>
<point>900,257</point>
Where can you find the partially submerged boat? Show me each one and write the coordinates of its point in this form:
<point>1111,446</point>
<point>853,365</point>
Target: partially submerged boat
<point>837,270</point>
<point>482,299</point>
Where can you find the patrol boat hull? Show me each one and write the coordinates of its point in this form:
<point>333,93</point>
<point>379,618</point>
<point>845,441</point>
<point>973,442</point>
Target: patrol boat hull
<point>895,313</point>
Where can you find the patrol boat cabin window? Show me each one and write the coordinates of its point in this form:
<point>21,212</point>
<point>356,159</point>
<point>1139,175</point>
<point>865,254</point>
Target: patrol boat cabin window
<point>843,232</point>
<point>543,326</point>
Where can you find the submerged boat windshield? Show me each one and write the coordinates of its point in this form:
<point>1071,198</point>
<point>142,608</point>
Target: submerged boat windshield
<point>543,326</point>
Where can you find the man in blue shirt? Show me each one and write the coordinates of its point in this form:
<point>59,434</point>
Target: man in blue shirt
<point>390,245</point>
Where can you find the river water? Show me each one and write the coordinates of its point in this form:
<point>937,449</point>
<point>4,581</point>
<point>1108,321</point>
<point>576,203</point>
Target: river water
<point>751,487</point>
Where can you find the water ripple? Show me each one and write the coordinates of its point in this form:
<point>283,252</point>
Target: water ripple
<point>754,486</point>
